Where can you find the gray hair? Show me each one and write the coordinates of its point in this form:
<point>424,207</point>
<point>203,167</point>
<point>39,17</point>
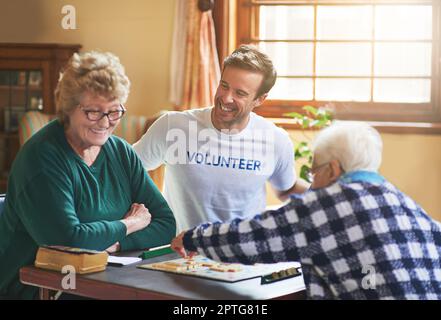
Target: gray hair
<point>96,72</point>
<point>356,145</point>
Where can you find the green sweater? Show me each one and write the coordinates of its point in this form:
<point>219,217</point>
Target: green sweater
<point>54,198</point>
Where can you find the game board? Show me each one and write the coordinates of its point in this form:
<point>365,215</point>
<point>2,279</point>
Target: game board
<point>203,267</point>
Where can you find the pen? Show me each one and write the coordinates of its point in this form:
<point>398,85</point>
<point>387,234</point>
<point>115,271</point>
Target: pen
<point>156,251</point>
<point>157,248</point>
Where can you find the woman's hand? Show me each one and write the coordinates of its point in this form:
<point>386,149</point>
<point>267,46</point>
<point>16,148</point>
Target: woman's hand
<point>177,245</point>
<point>114,248</point>
<point>137,218</point>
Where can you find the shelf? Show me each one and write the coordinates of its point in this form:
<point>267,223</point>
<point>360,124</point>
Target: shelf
<point>21,88</point>
<point>29,74</point>
<point>9,135</point>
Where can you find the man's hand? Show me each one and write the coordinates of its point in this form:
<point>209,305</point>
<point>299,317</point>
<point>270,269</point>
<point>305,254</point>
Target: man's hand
<point>177,245</point>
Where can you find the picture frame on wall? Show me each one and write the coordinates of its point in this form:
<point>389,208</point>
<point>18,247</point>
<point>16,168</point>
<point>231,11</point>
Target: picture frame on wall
<point>22,78</point>
<point>35,78</point>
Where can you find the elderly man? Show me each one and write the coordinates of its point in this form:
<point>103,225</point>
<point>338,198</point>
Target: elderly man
<point>356,235</point>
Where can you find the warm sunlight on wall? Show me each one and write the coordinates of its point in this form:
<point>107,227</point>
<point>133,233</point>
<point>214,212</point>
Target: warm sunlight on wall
<point>138,31</point>
<point>410,162</point>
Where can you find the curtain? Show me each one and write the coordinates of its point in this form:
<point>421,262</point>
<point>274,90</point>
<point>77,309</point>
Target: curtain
<point>195,71</point>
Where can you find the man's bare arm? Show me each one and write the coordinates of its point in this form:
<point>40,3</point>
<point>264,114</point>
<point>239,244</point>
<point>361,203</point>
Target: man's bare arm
<point>300,186</point>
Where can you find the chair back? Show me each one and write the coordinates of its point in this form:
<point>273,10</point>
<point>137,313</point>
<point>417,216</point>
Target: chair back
<point>131,128</point>
<point>30,123</point>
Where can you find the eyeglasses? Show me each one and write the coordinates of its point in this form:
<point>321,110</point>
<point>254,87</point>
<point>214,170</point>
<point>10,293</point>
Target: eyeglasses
<point>94,115</point>
<point>310,173</point>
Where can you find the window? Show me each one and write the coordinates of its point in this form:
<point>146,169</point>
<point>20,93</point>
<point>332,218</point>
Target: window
<point>371,59</point>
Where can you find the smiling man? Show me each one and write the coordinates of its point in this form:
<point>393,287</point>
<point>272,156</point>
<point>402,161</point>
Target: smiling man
<point>219,158</point>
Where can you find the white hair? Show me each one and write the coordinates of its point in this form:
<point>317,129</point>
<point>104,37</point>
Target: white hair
<point>356,145</point>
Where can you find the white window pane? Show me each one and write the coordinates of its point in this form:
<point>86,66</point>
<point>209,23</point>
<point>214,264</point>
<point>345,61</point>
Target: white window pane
<point>402,90</point>
<point>403,22</point>
<point>286,22</point>
<point>344,59</point>
<point>403,59</point>
<point>343,89</point>
<point>290,59</point>
<point>291,89</point>
<point>344,22</point>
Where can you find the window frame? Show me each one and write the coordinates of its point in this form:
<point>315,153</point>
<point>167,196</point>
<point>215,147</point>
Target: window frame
<point>233,18</point>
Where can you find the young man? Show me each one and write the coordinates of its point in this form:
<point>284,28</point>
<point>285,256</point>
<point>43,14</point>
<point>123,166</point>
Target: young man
<point>356,235</point>
<point>218,158</point>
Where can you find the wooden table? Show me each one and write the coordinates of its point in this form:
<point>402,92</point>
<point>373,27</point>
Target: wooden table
<point>132,283</point>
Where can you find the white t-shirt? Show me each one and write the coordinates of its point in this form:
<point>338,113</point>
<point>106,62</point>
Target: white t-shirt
<point>214,176</point>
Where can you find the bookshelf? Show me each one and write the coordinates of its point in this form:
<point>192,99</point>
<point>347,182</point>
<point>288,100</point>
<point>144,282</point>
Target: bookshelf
<point>28,77</point>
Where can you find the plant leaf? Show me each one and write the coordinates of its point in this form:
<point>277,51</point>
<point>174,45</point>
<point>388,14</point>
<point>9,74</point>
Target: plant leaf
<point>311,110</point>
<point>305,122</point>
<point>294,115</point>
<point>304,169</point>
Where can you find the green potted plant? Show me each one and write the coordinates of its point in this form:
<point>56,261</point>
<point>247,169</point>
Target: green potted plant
<point>313,118</point>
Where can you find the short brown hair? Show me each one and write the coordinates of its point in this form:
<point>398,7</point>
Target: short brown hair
<point>96,72</point>
<point>248,57</point>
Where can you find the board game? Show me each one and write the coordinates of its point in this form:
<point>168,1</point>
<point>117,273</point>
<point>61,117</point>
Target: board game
<point>203,267</point>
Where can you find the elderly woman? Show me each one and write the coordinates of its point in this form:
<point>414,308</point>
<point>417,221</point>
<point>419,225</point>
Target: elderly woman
<point>355,234</point>
<point>75,184</point>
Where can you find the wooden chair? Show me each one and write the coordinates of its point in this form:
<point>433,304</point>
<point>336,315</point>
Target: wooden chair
<point>30,123</point>
<point>131,128</point>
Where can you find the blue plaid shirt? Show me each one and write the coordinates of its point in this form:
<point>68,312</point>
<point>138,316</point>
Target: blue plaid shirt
<point>360,238</point>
